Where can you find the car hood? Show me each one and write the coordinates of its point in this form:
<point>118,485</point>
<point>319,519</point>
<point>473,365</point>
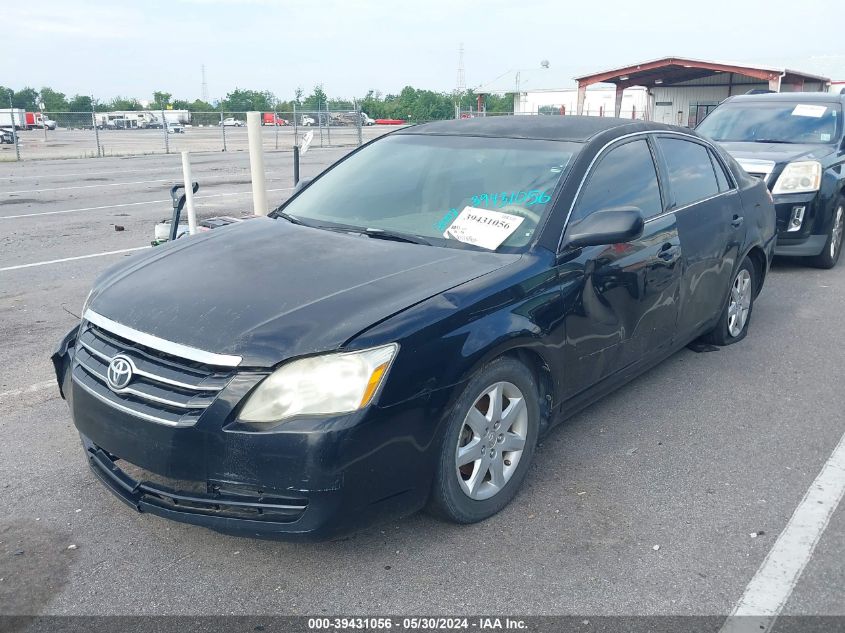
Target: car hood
<point>776,152</point>
<point>268,290</point>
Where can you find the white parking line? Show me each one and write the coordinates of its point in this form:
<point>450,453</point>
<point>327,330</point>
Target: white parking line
<point>38,386</point>
<point>82,173</point>
<point>70,259</point>
<point>132,204</point>
<point>110,184</point>
<point>777,576</point>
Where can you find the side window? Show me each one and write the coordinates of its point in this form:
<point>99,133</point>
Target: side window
<point>691,174</point>
<point>721,176</point>
<point>624,177</point>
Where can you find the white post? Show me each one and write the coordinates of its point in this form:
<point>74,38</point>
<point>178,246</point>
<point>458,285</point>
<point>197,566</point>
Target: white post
<point>256,163</point>
<point>189,193</point>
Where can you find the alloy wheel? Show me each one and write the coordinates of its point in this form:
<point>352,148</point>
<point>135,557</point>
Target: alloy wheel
<point>740,303</point>
<point>491,440</point>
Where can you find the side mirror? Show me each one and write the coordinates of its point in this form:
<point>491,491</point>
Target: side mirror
<point>302,184</point>
<point>607,226</point>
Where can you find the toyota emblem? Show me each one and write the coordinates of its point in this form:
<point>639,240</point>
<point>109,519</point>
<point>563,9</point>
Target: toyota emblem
<point>120,372</point>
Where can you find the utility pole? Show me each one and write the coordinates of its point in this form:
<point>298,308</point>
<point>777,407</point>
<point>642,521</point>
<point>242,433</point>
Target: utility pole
<point>204,91</point>
<point>461,84</point>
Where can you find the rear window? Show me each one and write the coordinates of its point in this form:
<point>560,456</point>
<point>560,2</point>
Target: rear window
<point>691,175</point>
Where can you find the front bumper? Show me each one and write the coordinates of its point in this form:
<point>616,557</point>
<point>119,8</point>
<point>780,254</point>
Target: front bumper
<point>309,479</point>
<point>809,246</point>
<point>810,239</point>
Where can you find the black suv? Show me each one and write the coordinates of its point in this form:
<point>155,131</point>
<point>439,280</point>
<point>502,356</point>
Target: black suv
<point>793,141</point>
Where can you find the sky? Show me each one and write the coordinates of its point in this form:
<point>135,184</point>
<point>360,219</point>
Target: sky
<point>129,49</point>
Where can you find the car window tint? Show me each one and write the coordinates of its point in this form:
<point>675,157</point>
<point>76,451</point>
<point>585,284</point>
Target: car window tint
<point>721,176</point>
<point>624,177</point>
<point>691,174</point>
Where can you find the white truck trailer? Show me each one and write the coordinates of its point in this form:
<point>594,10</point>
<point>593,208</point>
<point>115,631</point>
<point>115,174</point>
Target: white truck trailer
<point>13,117</point>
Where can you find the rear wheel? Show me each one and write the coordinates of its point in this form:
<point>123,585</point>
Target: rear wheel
<point>736,314</point>
<point>489,443</point>
<point>833,246</point>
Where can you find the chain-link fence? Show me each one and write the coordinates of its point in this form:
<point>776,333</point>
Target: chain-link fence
<point>95,134</point>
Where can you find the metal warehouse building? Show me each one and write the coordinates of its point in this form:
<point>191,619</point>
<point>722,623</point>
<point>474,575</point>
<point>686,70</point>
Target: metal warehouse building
<point>674,90</point>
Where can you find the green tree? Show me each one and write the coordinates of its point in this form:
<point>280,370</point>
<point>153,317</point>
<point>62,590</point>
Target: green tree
<point>161,99</point>
<point>26,98</point>
<point>120,104</point>
<point>198,105</point>
<point>53,101</point>
<point>317,100</point>
<point>6,95</point>
<point>248,100</point>
<point>79,103</point>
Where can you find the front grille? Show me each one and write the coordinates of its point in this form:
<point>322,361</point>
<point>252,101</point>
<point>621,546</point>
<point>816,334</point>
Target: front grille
<point>757,168</point>
<point>164,388</point>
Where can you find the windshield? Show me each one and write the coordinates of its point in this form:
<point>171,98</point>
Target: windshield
<point>776,122</point>
<point>420,185</point>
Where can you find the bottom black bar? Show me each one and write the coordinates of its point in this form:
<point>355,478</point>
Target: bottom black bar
<point>380,624</point>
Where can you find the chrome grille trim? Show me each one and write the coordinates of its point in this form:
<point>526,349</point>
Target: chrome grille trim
<point>160,344</point>
<point>164,388</point>
<point>758,168</point>
<point>140,394</point>
<point>155,377</point>
<point>128,410</point>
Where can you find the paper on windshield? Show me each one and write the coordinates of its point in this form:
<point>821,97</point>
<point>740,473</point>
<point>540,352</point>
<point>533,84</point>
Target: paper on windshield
<point>815,111</point>
<point>482,227</point>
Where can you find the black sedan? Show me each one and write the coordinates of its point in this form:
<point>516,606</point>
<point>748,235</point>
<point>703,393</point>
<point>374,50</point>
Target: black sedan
<point>402,330</point>
<point>795,143</point>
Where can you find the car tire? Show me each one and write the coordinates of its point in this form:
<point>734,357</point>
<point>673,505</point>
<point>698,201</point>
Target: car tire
<point>736,314</point>
<point>833,245</point>
<point>476,474</point>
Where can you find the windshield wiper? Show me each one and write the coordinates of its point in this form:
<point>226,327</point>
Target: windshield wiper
<point>771,140</point>
<point>287,216</point>
<point>383,234</point>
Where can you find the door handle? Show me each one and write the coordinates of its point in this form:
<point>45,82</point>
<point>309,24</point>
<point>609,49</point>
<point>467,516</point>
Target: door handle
<point>737,221</point>
<point>667,252</point>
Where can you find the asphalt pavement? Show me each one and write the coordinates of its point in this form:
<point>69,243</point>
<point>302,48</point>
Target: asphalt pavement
<point>645,503</point>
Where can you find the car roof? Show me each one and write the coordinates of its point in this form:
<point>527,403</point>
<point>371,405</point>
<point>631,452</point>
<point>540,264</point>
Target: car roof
<point>541,127</point>
<point>791,97</point>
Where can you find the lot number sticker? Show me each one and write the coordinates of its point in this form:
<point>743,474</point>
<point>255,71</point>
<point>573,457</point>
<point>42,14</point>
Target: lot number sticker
<point>482,227</point>
<point>815,111</point>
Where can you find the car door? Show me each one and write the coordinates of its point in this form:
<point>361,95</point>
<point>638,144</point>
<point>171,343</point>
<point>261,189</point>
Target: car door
<point>708,211</point>
<point>622,299</point>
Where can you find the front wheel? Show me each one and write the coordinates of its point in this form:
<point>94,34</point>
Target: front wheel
<point>736,314</point>
<point>833,246</point>
<point>489,442</point>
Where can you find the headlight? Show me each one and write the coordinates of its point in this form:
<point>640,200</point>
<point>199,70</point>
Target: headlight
<point>799,177</point>
<point>320,385</point>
